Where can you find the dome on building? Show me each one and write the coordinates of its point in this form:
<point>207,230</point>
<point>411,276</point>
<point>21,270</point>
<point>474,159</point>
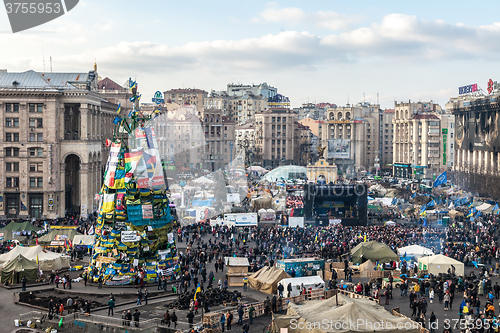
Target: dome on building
<point>283,173</point>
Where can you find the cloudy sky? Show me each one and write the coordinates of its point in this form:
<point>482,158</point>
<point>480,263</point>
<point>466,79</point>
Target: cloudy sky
<point>312,51</point>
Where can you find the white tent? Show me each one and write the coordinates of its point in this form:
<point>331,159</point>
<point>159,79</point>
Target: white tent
<point>390,223</point>
<point>203,180</point>
<point>47,260</point>
<point>87,240</point>
<point>416,251</point>
<point>367,316</point>
<point>439,264</point>
<point>313,282</point>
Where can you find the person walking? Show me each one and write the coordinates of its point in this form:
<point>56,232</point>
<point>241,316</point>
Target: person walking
<point>222,320</point>
<point>139,297</point>
<point>245,284</point>
<point>23,283</point>
<point>240,312</point>
<point>69,304</point>
<point>251,313</point>
<point>446,301</point>
<point>51,306</point>
<point>190,317</point>
<point>166,318</point>
<point>432,322</point>
<point>146,296</point>
<point>173,317</point>
<point>229,320</point>
<point>128,317</point>
<point>136,317</point>
<point>111,307</point>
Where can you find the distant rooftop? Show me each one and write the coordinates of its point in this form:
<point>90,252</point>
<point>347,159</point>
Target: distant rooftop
<point>31,80</point>
<point>108,84</point>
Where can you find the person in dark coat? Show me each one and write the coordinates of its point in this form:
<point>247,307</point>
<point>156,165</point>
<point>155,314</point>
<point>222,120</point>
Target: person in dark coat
<point>190,317</point>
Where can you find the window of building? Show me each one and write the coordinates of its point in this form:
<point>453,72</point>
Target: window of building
<point>37,152</point>
<point>11,137</point>
<point>36,167</point>
<point>11,151</point>
<point>36,122</point>
<point>283,150</point>
<point>35,107</point>
<point>12,166</point>
<point>12,182</point>
<point>11,122</point>
<point>273,119</point>
<point>11,107</point>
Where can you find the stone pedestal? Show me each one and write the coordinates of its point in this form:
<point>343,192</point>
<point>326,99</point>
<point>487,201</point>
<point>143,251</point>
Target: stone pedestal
<point>322,168</point>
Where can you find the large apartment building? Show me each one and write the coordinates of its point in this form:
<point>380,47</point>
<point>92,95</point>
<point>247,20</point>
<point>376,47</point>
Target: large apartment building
<point>419,132</point>
<point>189,96</point>
<point>52,128</point>
<point>276,137</point>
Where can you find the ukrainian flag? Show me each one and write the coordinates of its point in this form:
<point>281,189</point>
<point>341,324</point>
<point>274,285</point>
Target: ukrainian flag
<point>119,108</point>
<point>198,289</point>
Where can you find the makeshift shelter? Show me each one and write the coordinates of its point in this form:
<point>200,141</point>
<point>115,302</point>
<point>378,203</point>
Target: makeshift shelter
<point>83,240</point>
<point>367,266</point>
<point>266,279</point>
<point>314,282</point>
<point>58,234</point>
<point>237,269</point>
<point>17,268</point>
<point>302,266</point>
<point>416,251</point>
<point>367,314</point>
<point>15,227</point>
<point>440,264</point>
<point>47,260</point>
<point>374,251</point>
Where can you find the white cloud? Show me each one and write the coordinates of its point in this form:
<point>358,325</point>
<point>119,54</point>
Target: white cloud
<point>294,16</point>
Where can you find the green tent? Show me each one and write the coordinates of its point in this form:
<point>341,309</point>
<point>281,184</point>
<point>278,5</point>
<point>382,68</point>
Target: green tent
<point>19,267</point>
<point>15,227</point>
<point>68,234</point>
<point>373,251</point>
<point>23,226</point>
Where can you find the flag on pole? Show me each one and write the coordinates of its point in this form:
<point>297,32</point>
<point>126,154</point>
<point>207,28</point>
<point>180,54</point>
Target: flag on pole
<point>441,179</point>
<point>119,108</point>
<point>198,289</point>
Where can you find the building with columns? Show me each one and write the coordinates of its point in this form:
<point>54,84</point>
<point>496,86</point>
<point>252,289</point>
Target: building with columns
<point>477,142</point>
<point>53,128</point>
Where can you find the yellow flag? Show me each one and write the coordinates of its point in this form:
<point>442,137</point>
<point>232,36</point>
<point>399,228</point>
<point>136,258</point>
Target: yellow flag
<point>365,238</point>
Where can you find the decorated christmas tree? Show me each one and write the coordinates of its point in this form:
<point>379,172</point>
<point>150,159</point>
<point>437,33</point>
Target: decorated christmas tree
<point>134,232</point>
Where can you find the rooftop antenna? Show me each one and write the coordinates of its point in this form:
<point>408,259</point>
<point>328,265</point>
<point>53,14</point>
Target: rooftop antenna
<point>347,99</point>
<point>378,103</point>
<point>51,64</point>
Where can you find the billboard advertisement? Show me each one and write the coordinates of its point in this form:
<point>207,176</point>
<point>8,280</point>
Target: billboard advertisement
<point>339,148</point>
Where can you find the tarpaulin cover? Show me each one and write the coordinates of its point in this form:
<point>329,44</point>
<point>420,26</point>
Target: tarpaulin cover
<point>20,265</point>
<point>365,313</point>
<point>374,251</point>
<point>266,279</point>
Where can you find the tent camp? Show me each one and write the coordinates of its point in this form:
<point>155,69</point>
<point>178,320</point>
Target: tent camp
<point>367,314</point>
<point>62,234</point>
<point>415,251</point>
<point>314,282</point>
<point>374,251</point>
<point>13,227</point>
<point>439,264</point>
<point>266,279</point>
<point>83,240</point>
<point>46,259</point>
<point>17,268</point>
